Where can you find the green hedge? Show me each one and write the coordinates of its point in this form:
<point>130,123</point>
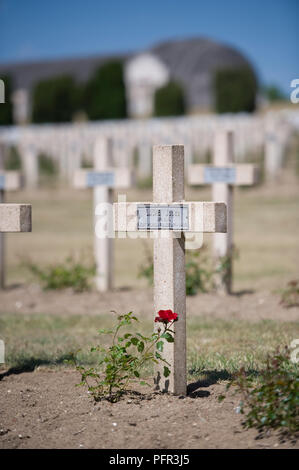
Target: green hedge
<point>6,109</point>
<point>55,100</point>
<point>105,95</point>
<point>235,90</point>
<point>169,100</point>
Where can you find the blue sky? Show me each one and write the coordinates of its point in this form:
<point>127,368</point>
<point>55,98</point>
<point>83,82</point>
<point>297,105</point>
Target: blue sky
<point>267,31</point>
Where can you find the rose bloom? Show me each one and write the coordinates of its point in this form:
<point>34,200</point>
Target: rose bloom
<point>166,316</point>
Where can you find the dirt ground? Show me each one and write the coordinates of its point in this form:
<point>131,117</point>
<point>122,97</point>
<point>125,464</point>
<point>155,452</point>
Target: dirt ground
<point>246,305</point>
<point>44,409</point>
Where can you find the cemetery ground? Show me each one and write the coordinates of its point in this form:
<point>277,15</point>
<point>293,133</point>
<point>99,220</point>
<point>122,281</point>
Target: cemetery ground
<point>40,405</point>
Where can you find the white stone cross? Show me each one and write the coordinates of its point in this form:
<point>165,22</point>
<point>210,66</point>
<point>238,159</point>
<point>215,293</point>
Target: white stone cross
<point>168,218</point>
<point>103,178</point>
<point>223,176</point>
<point>9,181</point>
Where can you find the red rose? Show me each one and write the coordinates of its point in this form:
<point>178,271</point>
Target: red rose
<point>166,316</point>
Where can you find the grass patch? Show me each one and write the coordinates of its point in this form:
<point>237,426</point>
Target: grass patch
<point>214,346</point>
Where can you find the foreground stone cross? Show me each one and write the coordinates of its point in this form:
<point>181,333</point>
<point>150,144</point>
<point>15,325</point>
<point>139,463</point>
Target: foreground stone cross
<point>223,176</point>
<point>9,181</point>
<point>103,179</point>
<point>167,219</point>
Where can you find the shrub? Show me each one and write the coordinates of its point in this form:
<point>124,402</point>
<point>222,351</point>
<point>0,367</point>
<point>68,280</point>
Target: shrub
<point>6,109</point>
<point>105,95</point>
<point>54,100</point>
<point>122,362</point>
<point>47,166</point>
<point>270,400</point>
<point>169,100</point>
<point>290,295</point>
<point>13,160</point>
<point>71,273</point>
<point>198,271</point>
<point>273,93</point>
<point>235,90</point>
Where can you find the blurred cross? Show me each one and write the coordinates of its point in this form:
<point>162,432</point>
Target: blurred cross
<point>223,176</point>
<point>13,217</point>
<point>104,178</point>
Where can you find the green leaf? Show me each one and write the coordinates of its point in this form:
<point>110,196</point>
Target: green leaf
<point>159,346</point>
<point>136,373</point>
<point>168,337</point>
<point>140,346</point>
<point>166,371</point>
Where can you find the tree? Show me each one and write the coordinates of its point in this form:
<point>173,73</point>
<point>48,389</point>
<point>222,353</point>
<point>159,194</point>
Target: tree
<point>235,90</point>
<point>6,109</point>
<point>55,100</point>
<point>273,93</point>
<point>105,95</point>
<point>169,100</point>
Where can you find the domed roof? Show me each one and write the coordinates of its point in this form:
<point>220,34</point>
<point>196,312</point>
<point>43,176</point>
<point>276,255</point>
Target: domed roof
<point>193,62</point>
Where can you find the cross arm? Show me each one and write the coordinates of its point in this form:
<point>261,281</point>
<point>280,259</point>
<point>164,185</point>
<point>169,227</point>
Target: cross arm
<point>199,216</point>
<point>111,177</point>
<point>244,174</point>
<point>15,218</point>
<point>10,180</point>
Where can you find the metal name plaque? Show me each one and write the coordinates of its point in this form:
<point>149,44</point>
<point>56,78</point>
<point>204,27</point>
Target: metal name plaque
<point>219,175</point>
<point>100,179</point>
<point>163,217</point>
<point>2,181</point>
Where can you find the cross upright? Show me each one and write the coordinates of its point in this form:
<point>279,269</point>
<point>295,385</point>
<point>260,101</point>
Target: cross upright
<point>104,178</point>
<point>223,175</point>
<point>167,219</point>
<point>9,181</point>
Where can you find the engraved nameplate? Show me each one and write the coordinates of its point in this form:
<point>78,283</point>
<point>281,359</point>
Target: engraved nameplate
<point>219,175</point>
<point>100,179</point>
<point>162,217</point>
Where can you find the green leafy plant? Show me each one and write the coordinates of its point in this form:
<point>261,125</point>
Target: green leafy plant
<point>13,160</point>
<point>198,271</point>
<point>47,166</point>
<point>271,399</point>
<point>225,264</point>
<point>70,273</point>
<point>121,363</point>
<point>290,295</point>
